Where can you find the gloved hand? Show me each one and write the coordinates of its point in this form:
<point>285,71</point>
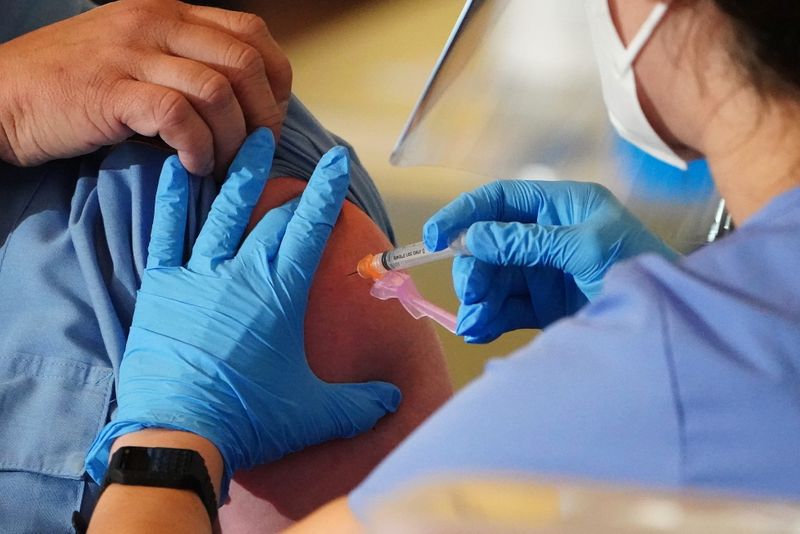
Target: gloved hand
<point>216,347</point>
<point>540,251</point>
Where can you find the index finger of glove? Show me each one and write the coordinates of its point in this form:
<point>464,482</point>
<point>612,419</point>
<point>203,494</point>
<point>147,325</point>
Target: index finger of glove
<point>169,221</point>
<point>316,214</point>
<point>492,202</point>
<point>357,408</point>
<point>528,245</point>
<point>230,212</point>
<point>524,201</point>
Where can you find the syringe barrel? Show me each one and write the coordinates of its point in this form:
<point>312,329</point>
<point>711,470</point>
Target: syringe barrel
<point>416,254</point>
<point>412,256</point>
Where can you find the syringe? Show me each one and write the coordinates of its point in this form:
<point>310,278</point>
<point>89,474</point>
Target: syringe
<point>374,266</point>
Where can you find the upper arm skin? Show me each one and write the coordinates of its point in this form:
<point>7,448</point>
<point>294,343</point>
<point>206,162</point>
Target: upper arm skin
<point>350,337</point>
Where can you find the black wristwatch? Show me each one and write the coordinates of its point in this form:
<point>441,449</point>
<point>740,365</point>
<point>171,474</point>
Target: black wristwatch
<point>163,468</point>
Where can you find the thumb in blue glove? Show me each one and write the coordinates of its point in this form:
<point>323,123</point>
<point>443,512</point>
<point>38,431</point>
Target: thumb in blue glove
<point>216,346</point>
<point>540,251</point>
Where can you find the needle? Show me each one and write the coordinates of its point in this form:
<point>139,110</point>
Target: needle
<point>354,272</point>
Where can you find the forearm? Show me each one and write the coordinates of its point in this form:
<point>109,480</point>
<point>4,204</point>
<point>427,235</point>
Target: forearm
<point>136,509</point>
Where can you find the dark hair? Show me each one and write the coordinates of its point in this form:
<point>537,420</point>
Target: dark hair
<point>767,41</point>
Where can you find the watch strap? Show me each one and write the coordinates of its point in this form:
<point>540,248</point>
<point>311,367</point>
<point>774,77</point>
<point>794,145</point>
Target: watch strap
<point>163,467</point>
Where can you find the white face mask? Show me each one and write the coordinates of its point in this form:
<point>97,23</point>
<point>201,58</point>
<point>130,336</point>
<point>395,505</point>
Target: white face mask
<point>619,81</point>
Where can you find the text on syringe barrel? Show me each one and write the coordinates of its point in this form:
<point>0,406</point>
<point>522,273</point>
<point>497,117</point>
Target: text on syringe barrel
<point>412,256</point>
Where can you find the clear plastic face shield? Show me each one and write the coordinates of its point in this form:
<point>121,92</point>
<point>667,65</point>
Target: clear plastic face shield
<point>516,94</point>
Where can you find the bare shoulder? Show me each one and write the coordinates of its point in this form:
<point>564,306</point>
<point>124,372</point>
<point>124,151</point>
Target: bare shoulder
<point>350,337</point>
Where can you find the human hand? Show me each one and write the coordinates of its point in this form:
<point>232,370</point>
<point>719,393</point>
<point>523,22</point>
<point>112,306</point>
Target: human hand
<point>199,77</point>
<point>216,346</point>
<point>540,251</point>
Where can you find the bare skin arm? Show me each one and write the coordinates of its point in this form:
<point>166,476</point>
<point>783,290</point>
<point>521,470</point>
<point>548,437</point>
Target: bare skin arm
<point>350,337</point>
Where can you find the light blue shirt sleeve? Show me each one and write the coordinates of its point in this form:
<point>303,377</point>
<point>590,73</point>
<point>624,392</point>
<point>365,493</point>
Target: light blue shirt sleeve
<point>304,141</point>
<point>20,17</point>
<point>680,375</point>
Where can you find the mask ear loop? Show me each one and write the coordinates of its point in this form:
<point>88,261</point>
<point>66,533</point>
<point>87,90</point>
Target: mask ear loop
<point>648,29</point>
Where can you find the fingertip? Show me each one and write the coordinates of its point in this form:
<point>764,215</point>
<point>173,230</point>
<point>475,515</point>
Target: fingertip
<point>173,178</point>
<point>481,241</point>
<point>393,398</point>
<point>430,235</point>
<point>193,165</point>
<point>332,175</point>
<point>474,236</point>
<point>264,137</point>
<point>172,167</point>
<point>174,163</point>
<point>433,236</point>
<point>254,158</point>
<point>255,155</point>
<point>469,318</point>
<point>387,395</point>
<point>369,401</point>
<point>336,160</point>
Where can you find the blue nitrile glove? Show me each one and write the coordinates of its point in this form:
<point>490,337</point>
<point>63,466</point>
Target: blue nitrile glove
<point>540,251</point>
<point>216,346</point>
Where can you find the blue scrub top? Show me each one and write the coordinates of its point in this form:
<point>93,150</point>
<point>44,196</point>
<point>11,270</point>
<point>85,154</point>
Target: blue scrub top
<point>73,244</point>
<point>679,375</point>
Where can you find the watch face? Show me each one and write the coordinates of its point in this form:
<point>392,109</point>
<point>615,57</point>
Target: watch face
<point>155,459</point>
<point>135,459</point>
